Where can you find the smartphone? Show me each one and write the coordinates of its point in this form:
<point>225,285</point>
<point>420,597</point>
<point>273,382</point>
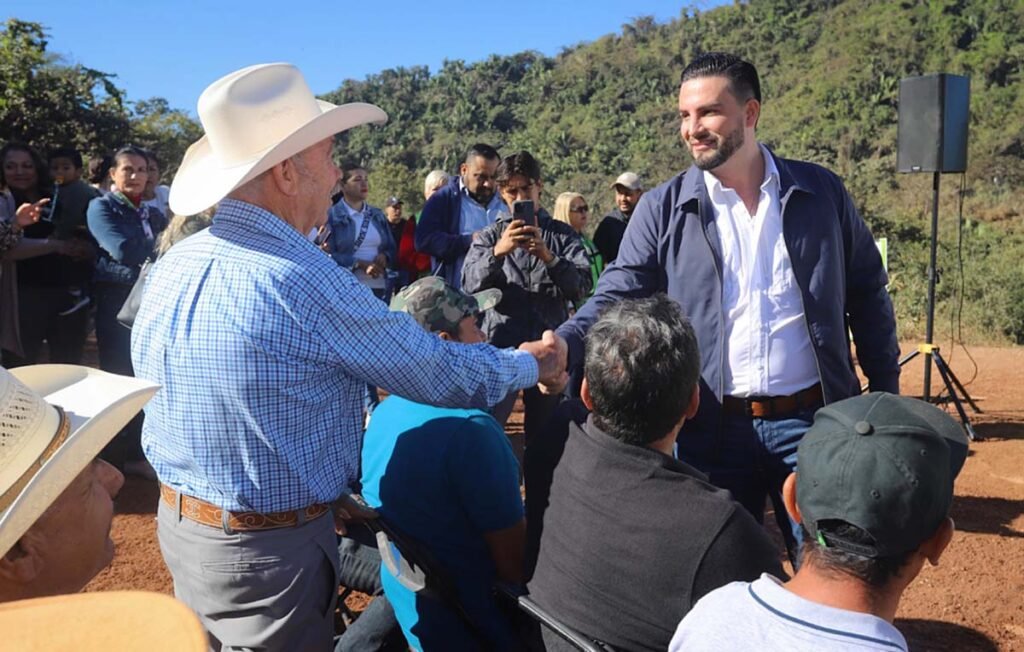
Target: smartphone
<point>523,210</point>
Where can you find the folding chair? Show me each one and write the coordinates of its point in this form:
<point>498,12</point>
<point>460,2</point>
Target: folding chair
<point>416,569</point>
<point>545,618</point>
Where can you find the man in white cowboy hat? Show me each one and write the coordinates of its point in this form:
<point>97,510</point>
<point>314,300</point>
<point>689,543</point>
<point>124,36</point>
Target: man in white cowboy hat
<point>264,347</point>
<point>56,498</point>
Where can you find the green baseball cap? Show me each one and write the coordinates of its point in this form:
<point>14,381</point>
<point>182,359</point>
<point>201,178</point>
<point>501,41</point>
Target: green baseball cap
<point>438,306</point>
<point>883,463</point>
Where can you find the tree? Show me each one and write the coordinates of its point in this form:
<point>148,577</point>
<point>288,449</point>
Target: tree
<point>167,132</point>
<point>46,103</point>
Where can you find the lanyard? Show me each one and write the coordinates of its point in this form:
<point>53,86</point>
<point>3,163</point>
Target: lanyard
<point>362,232</point>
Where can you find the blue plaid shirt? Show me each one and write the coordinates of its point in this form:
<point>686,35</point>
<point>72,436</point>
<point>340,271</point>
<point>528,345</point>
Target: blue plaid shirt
<point>263,347</point>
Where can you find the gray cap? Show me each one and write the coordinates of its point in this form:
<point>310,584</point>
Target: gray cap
<point>629,181</point>
<point>883,463</point>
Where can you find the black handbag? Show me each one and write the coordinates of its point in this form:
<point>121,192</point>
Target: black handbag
<point>126,316</point>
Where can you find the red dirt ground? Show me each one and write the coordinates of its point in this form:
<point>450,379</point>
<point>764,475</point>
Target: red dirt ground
<point>974,599</point>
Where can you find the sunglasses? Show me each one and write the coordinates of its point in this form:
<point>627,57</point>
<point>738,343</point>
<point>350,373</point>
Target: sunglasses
<point>580,209</point>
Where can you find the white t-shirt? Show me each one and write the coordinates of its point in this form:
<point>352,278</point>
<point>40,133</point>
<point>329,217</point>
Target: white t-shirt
<point>368,250</point>
<point>764,616</point>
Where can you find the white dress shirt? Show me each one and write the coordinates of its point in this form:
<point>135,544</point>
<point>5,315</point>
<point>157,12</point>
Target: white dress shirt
<point>768,348</point>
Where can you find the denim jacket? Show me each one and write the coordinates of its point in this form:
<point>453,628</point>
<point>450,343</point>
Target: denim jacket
<point>672,246</point>
<point>123,245</point>
<point>341,242</point>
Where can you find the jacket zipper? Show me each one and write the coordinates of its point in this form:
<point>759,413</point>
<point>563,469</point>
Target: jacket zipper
<point>721,302</point>
<point>803,307</point>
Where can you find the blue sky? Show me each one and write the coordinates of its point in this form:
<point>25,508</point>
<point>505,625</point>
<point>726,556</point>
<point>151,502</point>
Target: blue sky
<point>174,50</point>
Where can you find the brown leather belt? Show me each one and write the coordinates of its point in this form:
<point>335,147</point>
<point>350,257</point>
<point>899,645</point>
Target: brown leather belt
<point>774,407</point>
<point>206,513</point>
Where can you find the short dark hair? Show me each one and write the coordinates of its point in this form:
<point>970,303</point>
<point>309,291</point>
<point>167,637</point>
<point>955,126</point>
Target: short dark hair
<point>742,74</point>
<point>483,150</point>
<point>99,167</point>
<point>876,572</point>
<point>519,164</point>
<point>348,167</point>
<point>642,363</point>
<point>151,157</point>
<point>129,150</point>
<point>69,153</point>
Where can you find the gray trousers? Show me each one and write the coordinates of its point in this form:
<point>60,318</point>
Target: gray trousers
<point>261,591</point>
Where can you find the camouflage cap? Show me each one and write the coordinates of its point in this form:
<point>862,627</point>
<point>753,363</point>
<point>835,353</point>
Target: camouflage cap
<point>438,306</point>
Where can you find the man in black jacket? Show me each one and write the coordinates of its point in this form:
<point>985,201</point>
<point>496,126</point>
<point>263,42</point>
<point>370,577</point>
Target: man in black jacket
<point>540,268</point>
<point>613,225</point>
<point>633,537</point>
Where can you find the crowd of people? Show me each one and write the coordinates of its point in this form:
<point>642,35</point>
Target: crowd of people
<point>673,369</point>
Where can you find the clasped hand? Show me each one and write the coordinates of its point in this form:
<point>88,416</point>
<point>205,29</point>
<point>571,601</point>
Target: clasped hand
<point>551,353</point>
<point>520,234</point>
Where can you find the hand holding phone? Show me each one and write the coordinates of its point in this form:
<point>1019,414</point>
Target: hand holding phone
<point>523,210</point>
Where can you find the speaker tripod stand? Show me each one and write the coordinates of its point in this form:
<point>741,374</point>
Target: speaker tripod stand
<point>953,384</point>
<point>928,348</point>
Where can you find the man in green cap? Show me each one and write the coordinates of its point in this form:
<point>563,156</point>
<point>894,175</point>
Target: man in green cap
<point>447,479</point>
<point>873,492</point>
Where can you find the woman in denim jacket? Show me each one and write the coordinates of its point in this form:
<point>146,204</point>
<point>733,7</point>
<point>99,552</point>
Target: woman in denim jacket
<point>360,238</point>
<point>361,241</point>
<point>126,232</point>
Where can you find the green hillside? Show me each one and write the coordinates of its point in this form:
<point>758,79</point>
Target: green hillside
<point>830,75</point>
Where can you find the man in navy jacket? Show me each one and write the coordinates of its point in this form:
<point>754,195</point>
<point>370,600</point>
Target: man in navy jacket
<point>465,206</point>
<point>771,262</point>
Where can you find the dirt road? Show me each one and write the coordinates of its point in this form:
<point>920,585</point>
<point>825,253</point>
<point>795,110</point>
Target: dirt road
<point>974,599</point>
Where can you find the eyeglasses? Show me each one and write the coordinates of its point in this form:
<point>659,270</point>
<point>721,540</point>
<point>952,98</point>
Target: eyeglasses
<point>580,209</point>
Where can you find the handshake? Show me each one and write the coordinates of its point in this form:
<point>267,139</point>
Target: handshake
<point>551,353</point>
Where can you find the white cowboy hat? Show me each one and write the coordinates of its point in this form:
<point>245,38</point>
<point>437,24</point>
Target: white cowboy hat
<point>255,118</point>
<point>43,449</point>
<point>107,621</point>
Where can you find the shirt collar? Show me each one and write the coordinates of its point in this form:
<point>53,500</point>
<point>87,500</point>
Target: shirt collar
<point>240,214</point>
<point>771,175</point>
<point>769,592</point>
<point>640,454</point>
<point>351,211</point>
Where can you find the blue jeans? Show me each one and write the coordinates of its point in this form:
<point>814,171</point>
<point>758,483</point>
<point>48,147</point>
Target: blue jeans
<point>377,628</point>
<point>751,458</point>
<point>114,342</point>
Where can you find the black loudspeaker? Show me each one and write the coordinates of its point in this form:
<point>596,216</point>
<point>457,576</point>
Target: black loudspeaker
<point>934,110</point>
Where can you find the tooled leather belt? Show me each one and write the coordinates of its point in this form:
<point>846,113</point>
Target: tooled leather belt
<point>209,514</point>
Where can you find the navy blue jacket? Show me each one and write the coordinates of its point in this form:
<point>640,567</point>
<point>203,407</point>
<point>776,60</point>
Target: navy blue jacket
<point>123,242</point>
<point>672,245</point>
<point>437,232</point>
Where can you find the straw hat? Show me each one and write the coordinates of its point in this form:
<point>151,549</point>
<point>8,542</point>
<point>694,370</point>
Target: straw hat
<point>54,419</point>
<point>255,118</point>
<point>113,621</point>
